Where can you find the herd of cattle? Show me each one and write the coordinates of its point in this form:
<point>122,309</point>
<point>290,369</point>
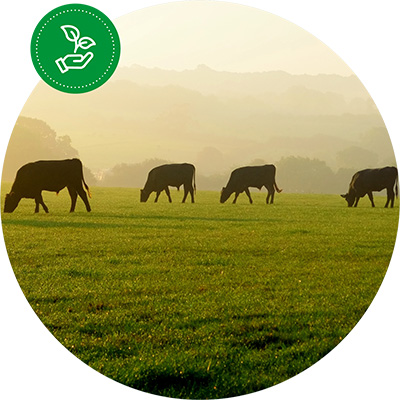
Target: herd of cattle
<point>31,179</point>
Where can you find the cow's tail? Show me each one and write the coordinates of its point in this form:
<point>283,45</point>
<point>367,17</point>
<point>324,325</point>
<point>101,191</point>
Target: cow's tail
<point>276,188</point>
<point>396,189</point>
<point>87,188</point>
<point>194,180</point>
<point>85,185</point>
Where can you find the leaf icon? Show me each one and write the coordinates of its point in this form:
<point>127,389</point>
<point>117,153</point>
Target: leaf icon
<point>71,32</point>
<point>86,42</point>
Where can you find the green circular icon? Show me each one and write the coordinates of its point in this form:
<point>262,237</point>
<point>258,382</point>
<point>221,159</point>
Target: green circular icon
<point>75,48</point>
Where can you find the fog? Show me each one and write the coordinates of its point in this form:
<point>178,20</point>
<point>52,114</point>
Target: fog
<point>224,36</point>
<point>277,94</point>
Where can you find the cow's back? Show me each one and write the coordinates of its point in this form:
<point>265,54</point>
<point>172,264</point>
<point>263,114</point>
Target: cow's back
<point>375,179</point>
<point>252,176</point>
<point>51,175</point>
<point>170,175</point>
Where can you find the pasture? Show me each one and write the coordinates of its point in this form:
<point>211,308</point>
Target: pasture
<point>203,300</point>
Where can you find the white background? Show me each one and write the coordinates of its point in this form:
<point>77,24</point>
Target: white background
<point>34,365</point>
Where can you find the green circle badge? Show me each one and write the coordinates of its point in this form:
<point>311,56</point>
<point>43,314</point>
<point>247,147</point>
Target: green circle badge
<point>75,48</point>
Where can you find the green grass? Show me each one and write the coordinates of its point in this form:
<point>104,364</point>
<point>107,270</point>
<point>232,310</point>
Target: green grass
<point>202,300</point>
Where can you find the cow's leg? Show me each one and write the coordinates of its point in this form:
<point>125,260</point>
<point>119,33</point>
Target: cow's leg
<point>371,198</point>
<point>83,196</point>
<point>157,196</point>
<point>357,200</point>
<point>168,194</point>
<point>236,196</point>
<point>188,189</point>
<point>390,197</point>
<point>247,191</point>
<point>39,200</point>
<point>185,193</point>
<point>271,195</point>
<point>74,195</point>
<point>392,201</point>
<point>387,199</point>
<point>191,190</point>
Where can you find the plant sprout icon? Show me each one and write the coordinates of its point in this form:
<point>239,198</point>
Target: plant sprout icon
<point>75,61</point>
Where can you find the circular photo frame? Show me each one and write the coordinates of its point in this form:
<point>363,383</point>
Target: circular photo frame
<point>205,299</point>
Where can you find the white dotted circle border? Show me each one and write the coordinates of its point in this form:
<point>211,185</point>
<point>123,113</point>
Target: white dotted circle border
<point>69,86</point>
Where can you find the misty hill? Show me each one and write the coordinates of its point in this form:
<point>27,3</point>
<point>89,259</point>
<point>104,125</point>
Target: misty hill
<point>207,81</point>
<point>33,140</point>
<point>129,122</point>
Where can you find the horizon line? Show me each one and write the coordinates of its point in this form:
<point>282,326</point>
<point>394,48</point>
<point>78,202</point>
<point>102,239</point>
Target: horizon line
<point>205,67</point>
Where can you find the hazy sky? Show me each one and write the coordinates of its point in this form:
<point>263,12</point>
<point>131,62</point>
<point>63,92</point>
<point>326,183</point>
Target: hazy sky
<point>224,36</point>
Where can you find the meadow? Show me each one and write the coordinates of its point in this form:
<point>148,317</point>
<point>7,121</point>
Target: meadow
<point>203,300</point>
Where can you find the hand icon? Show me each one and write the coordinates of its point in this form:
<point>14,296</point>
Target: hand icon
<point>73,61</point>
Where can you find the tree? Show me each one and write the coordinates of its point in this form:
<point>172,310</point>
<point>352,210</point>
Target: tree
<point>210,160</point>
<point>377,140</point>
<point>357,158</point>
<point>32,140</point>
<point>343,178</point>
<point>304,175</point>
<point>130,175</point>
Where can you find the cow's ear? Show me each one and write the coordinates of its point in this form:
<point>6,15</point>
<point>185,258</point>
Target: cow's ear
<point>343,195</point>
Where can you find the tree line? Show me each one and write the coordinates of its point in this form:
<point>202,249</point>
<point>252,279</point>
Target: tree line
<point>33,139</point>
<point>294,174</point>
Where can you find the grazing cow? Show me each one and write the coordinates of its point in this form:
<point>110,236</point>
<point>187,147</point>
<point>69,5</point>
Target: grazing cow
<point>372,180</point>
<point>161,177</point>
<point>255,176</point>
<point>52,176</point>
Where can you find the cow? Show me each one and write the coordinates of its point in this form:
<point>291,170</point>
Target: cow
<point>163,176</point>
<point>254,176</point>
<point>50,175</point>
<point>372,180</point>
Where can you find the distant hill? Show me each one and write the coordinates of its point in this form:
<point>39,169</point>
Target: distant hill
<point>207,81</point>
<point>145,114</point>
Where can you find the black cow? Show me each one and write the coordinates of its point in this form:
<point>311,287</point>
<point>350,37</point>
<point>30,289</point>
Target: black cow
<point>255,176</point>
<point>372,180</point>
<point>52,176</point>
<point>176,175</point>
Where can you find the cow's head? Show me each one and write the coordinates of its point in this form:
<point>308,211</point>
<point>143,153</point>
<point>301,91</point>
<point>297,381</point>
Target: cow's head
<point>350,198</point>
<point>11,202</point>
<point>224,195</point>
<point>144,195</point>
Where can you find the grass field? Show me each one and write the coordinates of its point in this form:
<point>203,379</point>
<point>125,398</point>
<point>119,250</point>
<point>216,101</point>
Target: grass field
<point>201,300</point>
